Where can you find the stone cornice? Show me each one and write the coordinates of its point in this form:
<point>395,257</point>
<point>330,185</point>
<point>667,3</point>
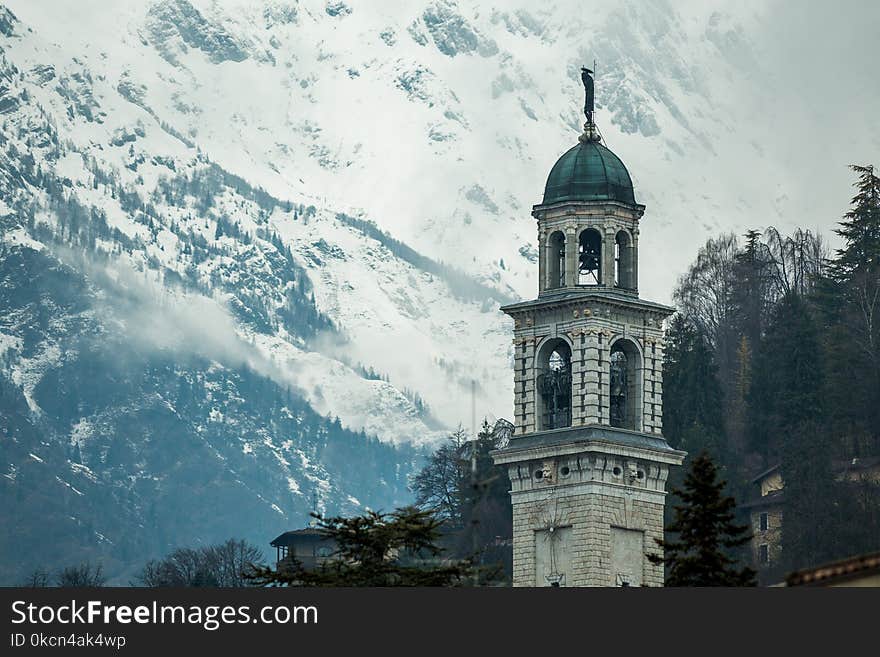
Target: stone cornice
<point>591,207</point>
<point>596,438</point>
<point>578,297</point>
<point>590,487</point>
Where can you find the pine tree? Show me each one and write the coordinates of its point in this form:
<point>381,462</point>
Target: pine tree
<point>811,525</point>
<point>788,377</point>
<point>750,292</point>
<point>861,227</point>
<point>704,524</point>
<point>376,549</point>
<point>850,302</point>
<point>788,419</point>
<point>692,417</point>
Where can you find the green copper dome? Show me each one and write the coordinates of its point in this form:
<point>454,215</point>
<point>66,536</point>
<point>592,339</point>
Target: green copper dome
<point>589,172</point>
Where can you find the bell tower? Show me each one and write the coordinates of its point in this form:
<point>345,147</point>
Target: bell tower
<point>587,462</point>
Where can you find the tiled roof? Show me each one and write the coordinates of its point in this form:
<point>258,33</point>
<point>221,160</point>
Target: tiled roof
<point>838,570</point>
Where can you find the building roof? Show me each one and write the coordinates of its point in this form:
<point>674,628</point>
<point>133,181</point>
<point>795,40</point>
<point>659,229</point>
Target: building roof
<point>773,498</point>
<point>765,473</point>
<point>855,465</point>
<point>850,568</point>
<point>308,534</point>
<point>589,172</point>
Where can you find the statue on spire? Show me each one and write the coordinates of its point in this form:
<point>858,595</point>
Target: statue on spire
<point>589,105</point>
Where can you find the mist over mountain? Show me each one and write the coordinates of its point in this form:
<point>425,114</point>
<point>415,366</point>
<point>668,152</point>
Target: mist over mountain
<point>252,253</point>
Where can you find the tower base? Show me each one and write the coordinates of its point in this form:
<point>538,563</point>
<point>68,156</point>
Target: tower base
<point>587,505</point>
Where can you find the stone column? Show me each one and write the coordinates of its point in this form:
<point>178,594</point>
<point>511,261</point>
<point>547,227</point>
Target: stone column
<point>608,256</point>
<point>518,387</point>
<point>528,388</point>
<point>542,261</point>
<point>658,388</point>
<point>635,259</point>
<point>571,249</point>
<point>604,370</point>
<point>647,407</point>
<point>591,379</point>
<point>577,369</point>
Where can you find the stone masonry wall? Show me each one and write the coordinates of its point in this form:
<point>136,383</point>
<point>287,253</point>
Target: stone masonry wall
<point>591,518</point>
<point>590,328</point>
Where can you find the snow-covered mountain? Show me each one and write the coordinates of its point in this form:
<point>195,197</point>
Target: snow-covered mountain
<point>438,122</point>
<point>305,214</point>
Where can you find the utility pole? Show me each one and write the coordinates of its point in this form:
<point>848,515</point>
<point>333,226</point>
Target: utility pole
<point>475,543</point>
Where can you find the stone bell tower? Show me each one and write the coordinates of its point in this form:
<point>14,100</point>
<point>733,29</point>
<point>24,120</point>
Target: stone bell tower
<point>587,461</point>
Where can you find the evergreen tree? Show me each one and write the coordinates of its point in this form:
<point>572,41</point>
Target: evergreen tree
<point>750,300</point>
<point>849,298</point>
<point>787,422</point>
<point>811,521</point>
<point>692,418</point>
<point>376,549</point>
<point>787,380</point>
<point>704,524</point>
<point>861,228</point>
<point>750,292</point>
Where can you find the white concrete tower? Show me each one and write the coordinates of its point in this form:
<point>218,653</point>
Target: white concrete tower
<point>587,461</point>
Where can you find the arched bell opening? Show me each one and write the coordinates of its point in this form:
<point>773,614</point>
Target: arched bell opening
<point>625,376</point>
<point>553,385</point>
<point>590,257</point>
<point>624,272</point>
<point>556,259</point>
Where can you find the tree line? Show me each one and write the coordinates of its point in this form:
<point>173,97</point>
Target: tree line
<point>773,359</point>
<point>227,564</point>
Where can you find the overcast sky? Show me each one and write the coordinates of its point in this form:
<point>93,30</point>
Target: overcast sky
<point>824,58</point>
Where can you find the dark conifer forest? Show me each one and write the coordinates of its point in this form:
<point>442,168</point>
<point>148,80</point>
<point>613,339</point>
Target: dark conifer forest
<point>773,359</point>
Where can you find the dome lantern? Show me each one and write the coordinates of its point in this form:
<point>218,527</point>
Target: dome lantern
<point>588,220</point>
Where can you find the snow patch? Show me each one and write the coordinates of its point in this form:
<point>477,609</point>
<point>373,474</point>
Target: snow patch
<point>20,237</point>
<point>61,481</point>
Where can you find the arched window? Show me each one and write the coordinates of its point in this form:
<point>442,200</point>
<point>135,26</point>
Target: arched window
<point>625,386</point>
<point>556,262</point>
<point>590,258</point>
<point>623,261</point>
<point>554,385</point>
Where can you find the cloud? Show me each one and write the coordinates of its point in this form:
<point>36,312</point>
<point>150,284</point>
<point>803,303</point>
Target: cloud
<point>155,318</point>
